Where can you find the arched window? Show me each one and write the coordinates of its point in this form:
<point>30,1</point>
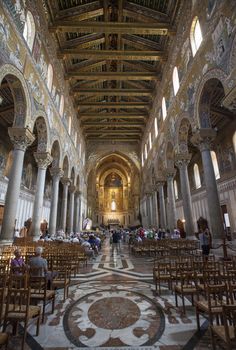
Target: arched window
<point>113,205</point>
<point>49,77</point>
<point>215,165</point>
<point>195,35</point>
<point>197,178</point>
<point>29,30</point>
<point>150,140</point>
<point>175,79</point>
<point>69,125</point>
<point>164,113</point>
<point>145,151</point>
<point>156,127</point>
<point>234,142</point>
<point>61,108</point>
<point>176,189</point>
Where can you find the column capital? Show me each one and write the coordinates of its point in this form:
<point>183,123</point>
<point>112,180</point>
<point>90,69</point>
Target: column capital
<point>203,138</point>
<point>56,172</point>
<point>43,159</point>
<point>21,137</point>
<point>169,172</point>
<point>72,189</point>
<point>182,159</point>
<point>77,191</point>
<point>65,181</point>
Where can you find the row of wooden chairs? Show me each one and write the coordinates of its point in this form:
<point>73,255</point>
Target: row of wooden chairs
<point>212,287</point>
<point>164,247</point>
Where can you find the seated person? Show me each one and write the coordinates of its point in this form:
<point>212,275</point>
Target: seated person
<point>17,263</point>
<point>88,249</point>
<point>38,262</point>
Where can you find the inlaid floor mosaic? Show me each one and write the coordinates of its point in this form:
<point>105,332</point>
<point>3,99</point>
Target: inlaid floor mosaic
<point>113,304</point>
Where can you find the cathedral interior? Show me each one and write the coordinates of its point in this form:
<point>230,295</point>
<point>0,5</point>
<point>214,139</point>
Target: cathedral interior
<point>120,115</point>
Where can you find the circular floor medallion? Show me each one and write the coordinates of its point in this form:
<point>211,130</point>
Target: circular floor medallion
<point>111,313</point>
<point>114,318</point>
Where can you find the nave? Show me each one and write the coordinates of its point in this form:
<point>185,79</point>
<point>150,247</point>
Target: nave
<point>112,303</point>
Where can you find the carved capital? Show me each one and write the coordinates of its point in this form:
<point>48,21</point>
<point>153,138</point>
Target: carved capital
<point>182,159</point>
<point>72,189</point>
<point>21,138</point>
<point>203,138</point>
<point>170,173</point>
<point>43,159</point>
<point>65,181</point>
<point>77,191</point>
<point>56,173</point>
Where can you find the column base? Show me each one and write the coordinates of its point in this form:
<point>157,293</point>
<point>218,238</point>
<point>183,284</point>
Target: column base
<point>4,242</point>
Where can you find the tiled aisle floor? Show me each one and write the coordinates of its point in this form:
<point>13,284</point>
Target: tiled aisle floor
<point>113,303</point>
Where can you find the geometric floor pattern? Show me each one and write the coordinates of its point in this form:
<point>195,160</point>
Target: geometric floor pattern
<point>112,304</point>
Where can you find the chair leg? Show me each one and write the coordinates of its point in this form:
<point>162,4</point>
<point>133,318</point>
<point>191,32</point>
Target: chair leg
<point>38,325</point>
<point>213,343</point>
<point>176,300</point>
<point>183,302</point>
<point>53,304</point>
<point>197,318</point>
<point>24,337</point>
<point>43,313</point>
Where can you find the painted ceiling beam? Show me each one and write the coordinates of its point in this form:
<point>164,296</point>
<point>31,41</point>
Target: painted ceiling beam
<point>143,13</point>
<point>86,125</point>
<point>134,55</point>
<point>140,43</point>
<point>82,12</point>
<point>112,75</point>
<point>117,139</point>
<point>149,28</point>
<point>114,104</point>
<point>84,42</point>
<point>83,116</point>
<point>112,92</point>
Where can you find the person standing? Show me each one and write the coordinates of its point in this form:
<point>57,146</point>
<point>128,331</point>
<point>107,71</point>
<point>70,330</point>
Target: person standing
<point>115,241</point>
<point>205,241</point>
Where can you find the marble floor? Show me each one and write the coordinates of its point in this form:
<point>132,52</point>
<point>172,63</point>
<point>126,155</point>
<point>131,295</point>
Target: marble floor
<point>113,304</point>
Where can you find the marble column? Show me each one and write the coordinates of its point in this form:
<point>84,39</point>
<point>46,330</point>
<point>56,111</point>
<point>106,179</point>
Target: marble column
<point>162,206</point>
<point>203,140</point>
<point>56,174</point>
<point>71,208</point>
<point>172,221</point>
<point>155,207</point>
<point>151,210</point>
<point>182,160</point>
<point>77,211</point>
<point>21,139</point>
<point>66,182</point>
<point>43,159</point>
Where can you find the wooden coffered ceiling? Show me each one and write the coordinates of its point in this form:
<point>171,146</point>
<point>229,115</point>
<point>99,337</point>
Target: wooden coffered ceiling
<point>113,52</point>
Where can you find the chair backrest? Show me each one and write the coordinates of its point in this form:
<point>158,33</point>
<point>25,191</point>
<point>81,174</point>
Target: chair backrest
<point>229,320</point>
<point>217,295</point>
<point>2,297</point>
<point>17,305</point>
<point>18,281</point>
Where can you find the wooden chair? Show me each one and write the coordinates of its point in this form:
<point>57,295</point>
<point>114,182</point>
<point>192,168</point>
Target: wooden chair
<point>3,335</point>
<point>226,332</point>
<point>186,286</point>
<point>39,291</point>
<point>216,296</point>
<point>18,310</point>
<point>62,280</point>
<point>161,273</point>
